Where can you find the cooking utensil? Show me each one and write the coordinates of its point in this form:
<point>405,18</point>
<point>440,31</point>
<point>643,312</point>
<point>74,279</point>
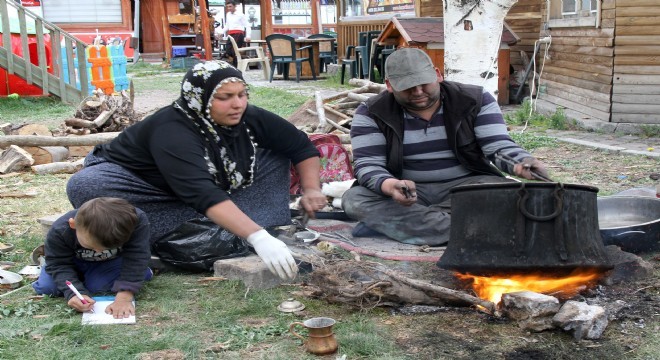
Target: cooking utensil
<point>522,227</point>
<point>10,280</point>
<point>630,222</point>
<point>511,161</point>
<point>290,305</point>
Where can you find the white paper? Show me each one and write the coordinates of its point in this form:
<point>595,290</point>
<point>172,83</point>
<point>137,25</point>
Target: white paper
<point>99,317</point>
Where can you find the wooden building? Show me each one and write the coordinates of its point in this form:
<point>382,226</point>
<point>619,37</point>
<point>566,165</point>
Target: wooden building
<point>603,58</point>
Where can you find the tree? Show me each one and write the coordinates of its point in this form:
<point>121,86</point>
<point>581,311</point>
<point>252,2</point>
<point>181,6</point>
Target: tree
<point>473,30</point>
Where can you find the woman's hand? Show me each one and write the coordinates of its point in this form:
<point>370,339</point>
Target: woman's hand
<point>274,253</point>
<point>313,200</point>
<point>122,307</point>
<point>77,305</point>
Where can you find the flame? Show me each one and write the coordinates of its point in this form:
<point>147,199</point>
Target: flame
<point>491,288</point>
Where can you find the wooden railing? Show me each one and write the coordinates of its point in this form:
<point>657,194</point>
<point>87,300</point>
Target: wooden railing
<point>49,77</point>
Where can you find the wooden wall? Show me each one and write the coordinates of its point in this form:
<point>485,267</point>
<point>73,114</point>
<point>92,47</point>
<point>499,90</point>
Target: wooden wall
<point>636,88</point>
<point>429,8</point>
<point>578,75</point>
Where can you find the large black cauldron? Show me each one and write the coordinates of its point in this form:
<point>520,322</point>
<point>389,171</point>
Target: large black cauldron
<point>518,228</point>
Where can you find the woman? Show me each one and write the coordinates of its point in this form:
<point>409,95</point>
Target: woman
<point>209,153</point>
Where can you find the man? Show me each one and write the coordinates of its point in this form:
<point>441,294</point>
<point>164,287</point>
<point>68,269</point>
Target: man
<point>416,141</point>
<point>236,26</point>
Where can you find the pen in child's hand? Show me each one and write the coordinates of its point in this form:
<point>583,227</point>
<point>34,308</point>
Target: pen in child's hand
<point>75,291</point>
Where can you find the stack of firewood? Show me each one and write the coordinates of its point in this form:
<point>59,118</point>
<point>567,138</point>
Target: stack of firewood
<point>335,113</point>
<point>102,113</point>
<point>99,118</point>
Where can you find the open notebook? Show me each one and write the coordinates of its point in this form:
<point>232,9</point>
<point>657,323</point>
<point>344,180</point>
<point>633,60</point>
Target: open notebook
<point>99,317</point>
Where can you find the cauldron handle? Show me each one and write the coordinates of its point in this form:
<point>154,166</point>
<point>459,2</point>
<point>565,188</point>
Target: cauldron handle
<point>559,204</point>
<point>558,194</point>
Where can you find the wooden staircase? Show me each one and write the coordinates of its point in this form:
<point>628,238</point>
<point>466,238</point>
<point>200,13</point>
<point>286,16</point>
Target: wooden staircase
<point>49,77</point>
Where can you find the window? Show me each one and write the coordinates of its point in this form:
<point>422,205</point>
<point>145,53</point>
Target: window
<point>83,11</point>
<point>573,13</point>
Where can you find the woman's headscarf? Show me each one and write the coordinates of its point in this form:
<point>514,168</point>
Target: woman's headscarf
<point>230,150</point>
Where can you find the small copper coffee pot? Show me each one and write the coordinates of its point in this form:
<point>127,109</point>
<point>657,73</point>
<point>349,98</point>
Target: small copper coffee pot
<point>321,340</point>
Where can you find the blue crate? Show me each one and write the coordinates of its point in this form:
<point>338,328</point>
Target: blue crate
<point>179,51</point>
<point>184,62</point>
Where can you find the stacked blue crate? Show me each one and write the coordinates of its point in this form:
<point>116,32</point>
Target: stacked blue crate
<point>65,70</point>
<point>119,60</point>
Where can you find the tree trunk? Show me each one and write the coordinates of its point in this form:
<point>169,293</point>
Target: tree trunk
<point>47,154</point>
<point>473,31</point>
<point>32,140</point>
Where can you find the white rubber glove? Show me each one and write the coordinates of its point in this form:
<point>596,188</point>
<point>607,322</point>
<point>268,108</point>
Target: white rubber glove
<point>274,253</point>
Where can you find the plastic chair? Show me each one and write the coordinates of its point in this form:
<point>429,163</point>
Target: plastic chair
<point>352,63</point>
<point>327,50</point>
<point>363,51</point>
<point>243,61</point>
<point>283,52</point>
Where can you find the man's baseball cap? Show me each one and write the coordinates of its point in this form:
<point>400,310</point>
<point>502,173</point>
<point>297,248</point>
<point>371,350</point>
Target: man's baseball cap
<point>409,67</point>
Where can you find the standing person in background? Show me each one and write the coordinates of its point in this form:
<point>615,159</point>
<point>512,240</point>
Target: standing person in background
<point>238,27</point>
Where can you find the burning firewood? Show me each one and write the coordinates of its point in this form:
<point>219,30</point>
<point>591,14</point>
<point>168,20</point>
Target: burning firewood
<point>367,284</point>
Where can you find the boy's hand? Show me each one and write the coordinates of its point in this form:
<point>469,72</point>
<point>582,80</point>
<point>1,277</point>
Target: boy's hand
<point>122,307</point>
<point>77,305</point>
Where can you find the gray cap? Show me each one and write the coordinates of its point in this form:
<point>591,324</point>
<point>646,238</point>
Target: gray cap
<point>409,67</point>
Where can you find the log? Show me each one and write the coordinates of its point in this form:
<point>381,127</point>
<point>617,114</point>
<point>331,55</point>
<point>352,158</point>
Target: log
<point>79,123</point>
<point>58,167</point>
<point>6,128</point>
<point>29,140</point>
<point>103,117</point>
<point>347,105</point>
<point>80,150</point>
<point>357,97</point>
<point>34,129</point>
<point>323,124</point>
<point>14,159</point>
<point>47,154</point>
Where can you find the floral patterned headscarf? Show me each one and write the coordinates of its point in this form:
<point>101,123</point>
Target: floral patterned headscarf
<point>230,150</point>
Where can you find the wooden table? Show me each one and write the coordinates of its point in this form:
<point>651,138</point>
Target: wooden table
<point>316,46</point>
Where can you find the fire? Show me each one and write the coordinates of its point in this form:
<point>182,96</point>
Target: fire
<point>492,288</point>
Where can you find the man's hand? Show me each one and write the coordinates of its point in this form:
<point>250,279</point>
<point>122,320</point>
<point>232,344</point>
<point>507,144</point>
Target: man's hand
<point>274,254</point>
<point>528,165</point>
<point>401,191</point>
<point>122,307</point>
<point>313,200</point>
<point>77,305</point>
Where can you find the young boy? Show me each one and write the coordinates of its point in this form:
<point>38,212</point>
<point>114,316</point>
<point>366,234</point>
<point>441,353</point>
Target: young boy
<point>103,246</point>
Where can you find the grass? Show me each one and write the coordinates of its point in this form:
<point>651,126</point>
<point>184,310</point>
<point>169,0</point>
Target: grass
<point>526,116</point>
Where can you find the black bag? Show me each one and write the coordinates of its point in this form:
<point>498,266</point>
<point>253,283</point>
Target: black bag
<point>196,244</point>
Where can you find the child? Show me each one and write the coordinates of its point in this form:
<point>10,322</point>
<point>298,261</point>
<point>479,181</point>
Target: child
<point>101,247</point>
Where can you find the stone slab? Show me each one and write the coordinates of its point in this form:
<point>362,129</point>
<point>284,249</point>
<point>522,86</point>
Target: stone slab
<point>250,270</point>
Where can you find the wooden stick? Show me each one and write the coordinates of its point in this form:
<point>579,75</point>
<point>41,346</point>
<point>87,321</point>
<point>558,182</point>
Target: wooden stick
<point>34,140</point>
<point>335,112</point>
<point>344,93</point>
<point>338,127</point>
<point>323,123</point>
<point>58,167</point>
<point>488,305</point>
<point>347,105</point>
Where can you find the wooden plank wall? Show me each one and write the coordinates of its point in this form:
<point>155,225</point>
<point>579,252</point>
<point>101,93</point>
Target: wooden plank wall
<point>578,75</point>
<point>636,89</point>
<point>524,19</point>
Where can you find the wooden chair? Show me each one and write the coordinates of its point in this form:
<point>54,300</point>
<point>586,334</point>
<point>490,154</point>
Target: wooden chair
<point>283,52</point>
<point>242,59</point>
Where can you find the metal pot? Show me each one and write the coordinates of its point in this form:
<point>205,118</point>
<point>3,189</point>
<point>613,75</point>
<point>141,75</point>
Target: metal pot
<point>630,222</point>
<point>522,228</point>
